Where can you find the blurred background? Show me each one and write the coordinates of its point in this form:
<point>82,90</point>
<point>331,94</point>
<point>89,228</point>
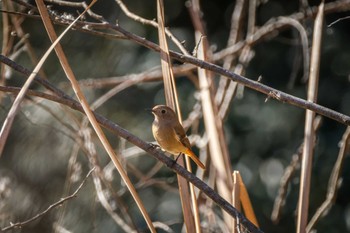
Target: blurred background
<point>44,158</point>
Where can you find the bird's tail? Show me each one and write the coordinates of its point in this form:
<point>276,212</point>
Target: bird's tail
<point>194,158</point>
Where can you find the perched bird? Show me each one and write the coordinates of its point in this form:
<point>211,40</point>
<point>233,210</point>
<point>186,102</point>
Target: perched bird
<point>170,134</point>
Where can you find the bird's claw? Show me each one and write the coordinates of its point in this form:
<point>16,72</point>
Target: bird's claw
<point>175,161</point>
<point>153,146</point>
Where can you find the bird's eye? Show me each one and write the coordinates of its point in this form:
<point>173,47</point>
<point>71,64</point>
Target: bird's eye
<point>163,111</point>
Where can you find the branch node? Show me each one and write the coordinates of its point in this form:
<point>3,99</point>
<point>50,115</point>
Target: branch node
<point>273,94</point>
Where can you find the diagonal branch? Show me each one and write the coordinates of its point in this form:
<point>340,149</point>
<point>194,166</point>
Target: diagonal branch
<point>255,85</point>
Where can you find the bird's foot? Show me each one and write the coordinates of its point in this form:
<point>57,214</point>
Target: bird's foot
<point>175,161</point>
<point>153,146</point>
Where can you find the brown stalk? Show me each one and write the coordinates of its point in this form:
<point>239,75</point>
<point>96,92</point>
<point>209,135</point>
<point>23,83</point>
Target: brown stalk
<point>191,219</point>
<point>236,201</point>
<point>246,203</point>
<point>234,36</point>
<point>64,62</point>
<point>6,42</point>
<point>16,21</point>
<point>213,123</point>
<point>241,200</point>
<point>309,132</point>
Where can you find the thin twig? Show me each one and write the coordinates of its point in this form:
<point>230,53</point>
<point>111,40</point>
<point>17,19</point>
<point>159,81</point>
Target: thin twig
<point>333,183</point>
<point>97,178</point>
<point>303,41</point>
<point>152,23</point>
<point>153,74</point>
<point>337,21</point>
<point>81,4</point>
<point>287,176</point>
<point>56,204</point>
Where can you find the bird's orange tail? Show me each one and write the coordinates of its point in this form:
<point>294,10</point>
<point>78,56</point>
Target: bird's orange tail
<point>194,158</point>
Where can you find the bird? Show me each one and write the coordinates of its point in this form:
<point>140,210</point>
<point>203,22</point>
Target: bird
<point>170,134</point>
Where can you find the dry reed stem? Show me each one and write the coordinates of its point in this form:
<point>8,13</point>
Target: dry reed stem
<point>235,33</point>
<point>6,41</point>
<point>65,65</point>
<point>16,21</point>
<point>236,201</point>
<point>309,133</point>
<point>213,124</point>
<point>241,200</point>
<point>246,203</point>
<point>187,194</point>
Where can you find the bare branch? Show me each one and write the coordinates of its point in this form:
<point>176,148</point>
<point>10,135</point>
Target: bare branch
<point>287,176</point>
<point>333,183</point>
<point>152,23</point>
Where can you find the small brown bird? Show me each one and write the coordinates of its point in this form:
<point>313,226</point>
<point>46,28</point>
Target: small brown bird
<point>170,134</point>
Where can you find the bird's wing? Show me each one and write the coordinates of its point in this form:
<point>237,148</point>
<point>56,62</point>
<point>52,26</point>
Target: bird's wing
<point>181,135</point>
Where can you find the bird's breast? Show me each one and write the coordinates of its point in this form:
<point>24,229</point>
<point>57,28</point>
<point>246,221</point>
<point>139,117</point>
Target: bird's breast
<point>166,138</point>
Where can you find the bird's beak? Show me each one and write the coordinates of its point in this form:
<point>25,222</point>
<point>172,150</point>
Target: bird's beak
<point>149,110</point>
